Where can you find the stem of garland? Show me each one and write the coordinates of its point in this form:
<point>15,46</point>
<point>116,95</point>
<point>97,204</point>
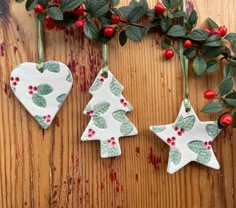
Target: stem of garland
<point>105,59</point>
<point>40,47</point>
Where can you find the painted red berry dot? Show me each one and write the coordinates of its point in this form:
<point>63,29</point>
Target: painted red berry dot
<point>48,116</point>
<point>91,112</point>
<point>168,140</point>
<point>93,133</point>
<point>17,79</point>
<point>122,101</point>
<point>210,142</point>
<point>31,92</point>
<point>109,141</point>
<point>182,130</point>
<point>113,143</point>
<point>209,147</point>
<point>14,83</point>
<point>90,135</point>
<point>90,130</point>
<point>88,113</point>
<point>48,120</point>
<point>102,75</point>
<point>12,78</point>
<point>30,87</point>
<point>44,117</point>
<point>35,88</point>
<point>112,139</point>
<point>205,143</point>
<point>180,133</point>
<point>125,104</point>
<point>176,128</point>
<point>173,138</point>
<point>169,53</point>
<point>101,80</point>
<point>172,143</point>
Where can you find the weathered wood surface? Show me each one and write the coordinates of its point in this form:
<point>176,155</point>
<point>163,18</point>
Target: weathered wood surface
<point>55,169</point>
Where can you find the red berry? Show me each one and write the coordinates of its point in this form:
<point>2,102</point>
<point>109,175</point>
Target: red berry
<point>159,8</point>
<point>113,143</point>
<point>168,140</point>
<point>90,130</point>
<point>49,23</point>
<point>109,141</point>
<point>209,94</point>
<point>173,143</point>
<point>101,80</point>
<point>12,78</point>
<point>176,128</point>
<point>223,31</point>
<point>182,130</point>
<point>79,10</point>
<point>31,92</point>
<point>108,31</point>
<point>188,43</point>
<point>61,27</point>
<point>215,31</point>
<point>115,19</point>
<point>48,120</point>
<point>180,133</point>
<point>48,116</point>
<point>226,120</point>
<point>122,101</point>
<point>93,133</point>
<point>125,104</point>
<point>210,142</point>
<point>30,87</point>
<point>57,1</point>
<point>14,83</point>
<point>209,147</point>
<point>17,79</point>
<point>91,112</point>
<point>112,139</point>
<point>169,53</point>
<point>38,8</point>
<point>173,138</point>
<point>35,88</point>
<point>80,24</point>
<point>44,117</point>
<point>207,30</point>
<point>89,135</point>
<point>205,143</point>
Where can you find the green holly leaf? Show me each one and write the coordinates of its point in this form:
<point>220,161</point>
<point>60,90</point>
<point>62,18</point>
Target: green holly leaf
<point>99,122</point>
<point>44,89</point>
<point>126,128</point>
<point>196,146</point>
<point>52,66</point>
<point>213,108</point>
<point>175,156</point>
<point>39,100</point>
<point>101,108</point>
<point>120,116</point>
<point>212,130</point>
<point>115,87</point>
<point>204,157</point>
<point>189,123</point>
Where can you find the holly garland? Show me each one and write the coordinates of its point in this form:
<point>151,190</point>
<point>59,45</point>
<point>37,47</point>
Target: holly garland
<point>101,20</point>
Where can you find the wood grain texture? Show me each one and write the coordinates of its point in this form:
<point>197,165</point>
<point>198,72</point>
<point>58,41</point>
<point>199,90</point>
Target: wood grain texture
<point>55,169</point>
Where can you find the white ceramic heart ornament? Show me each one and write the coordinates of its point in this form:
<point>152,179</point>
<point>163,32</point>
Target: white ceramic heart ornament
<point>42,94</point>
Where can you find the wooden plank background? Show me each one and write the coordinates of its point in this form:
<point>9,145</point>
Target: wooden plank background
<point>55,169</point>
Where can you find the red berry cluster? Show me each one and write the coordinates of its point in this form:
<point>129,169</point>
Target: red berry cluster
<point>32,89</point>
<point>47,118</point>
<point>91,133</point>
<point>90,113</point>
<point>102,77</point>
<point>171,141</point>
<point>112,141</point>
<point>208,145</point>
<point>221,31</point>
<point>15,80</point>
<point>122,101</point>
<point>180,131</point>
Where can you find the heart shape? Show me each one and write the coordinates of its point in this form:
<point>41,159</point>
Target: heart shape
<point>42,94</point>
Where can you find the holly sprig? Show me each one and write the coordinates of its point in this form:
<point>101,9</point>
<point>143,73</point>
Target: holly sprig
<point>102,20</point>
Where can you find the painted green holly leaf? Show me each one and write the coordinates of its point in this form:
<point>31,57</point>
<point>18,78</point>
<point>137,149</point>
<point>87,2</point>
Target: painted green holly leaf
<point>158,129</point>
<point>130,107</point>
<point>101,108</point>
<point>69,77</point>
<point>204,157</point>
<point>13,89</point>
<point>212,130</point>
<point>120,116</point>
<point>52,66</point>
<point>41,122</point>
<point>126,128</point>
<point>61,98</point>
<point>39,100</point>
<point>96,85</point>
<point>44,89</point>
<point>99,122</point>
<point>88,108</point>
<point>175,155</point>
<point>179,122</point>
<point>196,146</point>
<point>189,123</point>
<point>115,87</point>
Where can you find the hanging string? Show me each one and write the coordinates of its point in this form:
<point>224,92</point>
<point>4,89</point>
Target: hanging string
<point>105,59</point>
<point>184,62</point>
<point>40,47</point>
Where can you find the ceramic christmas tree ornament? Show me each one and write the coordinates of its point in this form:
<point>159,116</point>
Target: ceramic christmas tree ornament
<point>41,88</point>
<point>189,138</point>
<point>108,109</point>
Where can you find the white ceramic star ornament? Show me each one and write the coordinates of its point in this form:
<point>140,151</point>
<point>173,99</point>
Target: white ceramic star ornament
<point>189,140</point>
